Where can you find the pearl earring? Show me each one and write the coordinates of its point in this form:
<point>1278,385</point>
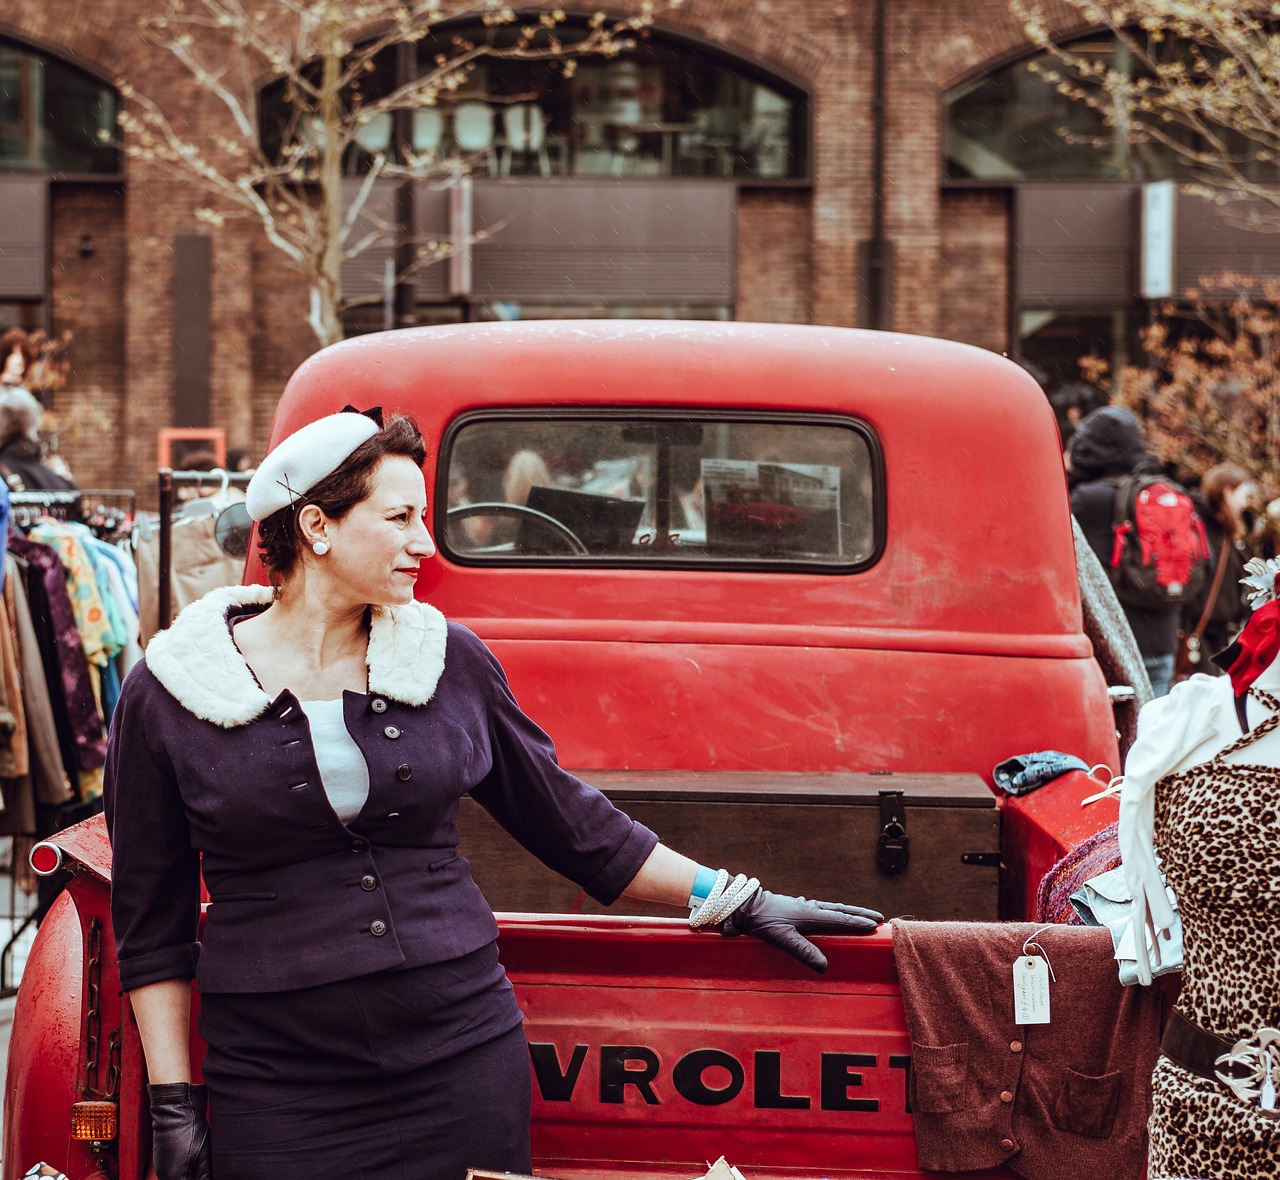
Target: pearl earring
<point>320,548</point>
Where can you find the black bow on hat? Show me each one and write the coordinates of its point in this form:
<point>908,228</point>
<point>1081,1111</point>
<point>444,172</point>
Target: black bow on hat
<point>373,412</point>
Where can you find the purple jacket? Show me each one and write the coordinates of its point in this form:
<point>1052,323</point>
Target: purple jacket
<point>202,763</point>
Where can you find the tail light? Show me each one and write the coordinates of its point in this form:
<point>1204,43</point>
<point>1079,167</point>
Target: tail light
<point>46,859</point>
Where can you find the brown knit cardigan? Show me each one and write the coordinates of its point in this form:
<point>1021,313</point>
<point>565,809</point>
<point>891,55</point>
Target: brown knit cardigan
<point>1067,1100</point>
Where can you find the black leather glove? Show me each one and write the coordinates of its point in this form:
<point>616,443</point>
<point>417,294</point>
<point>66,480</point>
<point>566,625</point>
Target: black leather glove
<point>784,921</point>
<point>179,1133</point>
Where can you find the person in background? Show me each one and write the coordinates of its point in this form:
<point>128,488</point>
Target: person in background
<point>239,460</point>
<point>470,530</point>
<point>16,357</point>
<point>525,470</point>
<point>21,462</point>
<point>1225,500</point>
<point>200,459</point>
<point>1107,445</point>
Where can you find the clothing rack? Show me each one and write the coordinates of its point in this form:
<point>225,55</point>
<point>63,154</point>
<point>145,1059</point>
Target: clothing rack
<point>21,907</point>
<point>67,504</point>
<point>169,481</point>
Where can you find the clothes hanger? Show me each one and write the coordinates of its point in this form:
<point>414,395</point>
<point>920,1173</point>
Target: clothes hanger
<point>204,506</point>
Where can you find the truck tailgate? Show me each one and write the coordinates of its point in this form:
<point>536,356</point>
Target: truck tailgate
<point>655,1050</point>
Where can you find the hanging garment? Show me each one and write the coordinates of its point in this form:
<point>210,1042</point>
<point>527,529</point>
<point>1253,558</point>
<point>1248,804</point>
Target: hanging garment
<point>120,554</point>
<point>14,758</point>
<point>80,729</point>
<point>48,772</point>
<point>5,508</point>
<point>17,803</point>
<point>118,577</point>
<point>1217,827</point>
<point>197,564</point>
<point>93,618</point>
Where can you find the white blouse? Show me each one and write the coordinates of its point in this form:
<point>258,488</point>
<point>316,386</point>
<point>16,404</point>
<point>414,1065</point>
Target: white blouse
<point>343,770</point>
<point>1187,727</point>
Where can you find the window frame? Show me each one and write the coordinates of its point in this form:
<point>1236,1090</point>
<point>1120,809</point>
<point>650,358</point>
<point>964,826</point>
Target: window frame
<point>791,86</point>
<point>1009,59</point>
<point>38,48</point>
<point>535,413</point>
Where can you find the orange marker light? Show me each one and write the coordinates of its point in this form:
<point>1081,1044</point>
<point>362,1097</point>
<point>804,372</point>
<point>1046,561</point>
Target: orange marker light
<point>94,1120</point>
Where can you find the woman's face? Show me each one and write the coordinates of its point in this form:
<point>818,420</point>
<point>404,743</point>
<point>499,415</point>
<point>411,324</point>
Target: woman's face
<point>376,548</point>
<point>15,367</point>
<point>1239,498</point>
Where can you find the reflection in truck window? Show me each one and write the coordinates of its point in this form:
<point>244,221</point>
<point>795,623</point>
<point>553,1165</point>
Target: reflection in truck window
<point>696,489</point>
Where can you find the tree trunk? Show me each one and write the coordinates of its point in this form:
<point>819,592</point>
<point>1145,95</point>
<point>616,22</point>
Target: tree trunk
<point>326,285</point>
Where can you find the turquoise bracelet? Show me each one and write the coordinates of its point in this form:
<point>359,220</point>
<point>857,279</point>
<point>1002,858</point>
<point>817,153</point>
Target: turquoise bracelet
<point>703,884</point>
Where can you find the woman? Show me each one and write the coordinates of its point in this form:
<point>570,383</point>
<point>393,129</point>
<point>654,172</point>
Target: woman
<point>1226,495</point>
<point>312,742</point>
<point>20,460</point>
<point>16,357</point>
<point>525,471</point>
<point>1200,788</point>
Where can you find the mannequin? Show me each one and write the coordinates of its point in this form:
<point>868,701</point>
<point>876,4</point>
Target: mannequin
<point>1208,793</point>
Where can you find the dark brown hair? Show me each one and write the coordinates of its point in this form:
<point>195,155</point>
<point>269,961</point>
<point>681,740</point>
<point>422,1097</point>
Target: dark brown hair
<point>17,338</point>
<point>279,538</point>
<point>1215,485</point>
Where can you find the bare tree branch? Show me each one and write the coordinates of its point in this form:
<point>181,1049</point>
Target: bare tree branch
<point>313,57</point>
<point>1199,78</point>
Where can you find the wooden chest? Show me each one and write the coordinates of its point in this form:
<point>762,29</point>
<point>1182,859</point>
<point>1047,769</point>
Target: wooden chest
<point>912,845</point>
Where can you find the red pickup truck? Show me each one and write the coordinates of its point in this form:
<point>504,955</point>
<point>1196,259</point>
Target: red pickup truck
<point>821,705</point>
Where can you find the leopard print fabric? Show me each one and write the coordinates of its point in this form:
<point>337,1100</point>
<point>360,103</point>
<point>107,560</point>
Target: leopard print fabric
<point>1219,838</point>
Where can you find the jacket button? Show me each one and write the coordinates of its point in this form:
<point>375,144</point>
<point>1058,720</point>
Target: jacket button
<point>1006,1095</point>
<point>404,771</point>
<point>1008,1144</point>
<point>377,928</point>
<point>368,882</point>
<point>378,705</point>
<point>1015,1046</point>
<point>391,731</point>
<point>359,844</point>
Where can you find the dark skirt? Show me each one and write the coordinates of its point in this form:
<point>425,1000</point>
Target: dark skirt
<point>411,1075</point>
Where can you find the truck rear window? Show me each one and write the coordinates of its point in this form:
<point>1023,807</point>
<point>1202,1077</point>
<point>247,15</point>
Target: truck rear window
<point>659,488</point>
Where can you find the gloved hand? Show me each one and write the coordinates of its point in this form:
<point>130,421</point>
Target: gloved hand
<point>784,921</point>
<point>179,1133</point>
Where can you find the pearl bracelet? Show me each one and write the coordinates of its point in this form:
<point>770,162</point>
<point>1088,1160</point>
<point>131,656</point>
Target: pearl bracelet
<point>725,897</point>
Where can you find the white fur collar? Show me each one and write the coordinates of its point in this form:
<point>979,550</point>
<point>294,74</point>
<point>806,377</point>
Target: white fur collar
<point>197,661</point>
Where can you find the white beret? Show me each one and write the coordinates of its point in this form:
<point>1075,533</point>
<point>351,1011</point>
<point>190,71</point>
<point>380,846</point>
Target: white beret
<point>303,459</point>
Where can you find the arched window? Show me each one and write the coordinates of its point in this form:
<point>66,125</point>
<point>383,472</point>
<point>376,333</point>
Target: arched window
<point>1013,124</point>
<point>54,117</point>
<point>662,108</point>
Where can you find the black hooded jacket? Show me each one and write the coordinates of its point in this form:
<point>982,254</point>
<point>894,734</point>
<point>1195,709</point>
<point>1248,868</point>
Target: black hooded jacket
<point>1108,445</point>
<point>22,470</point>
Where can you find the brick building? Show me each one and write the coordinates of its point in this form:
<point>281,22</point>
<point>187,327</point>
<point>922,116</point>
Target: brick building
<point>860,162</point>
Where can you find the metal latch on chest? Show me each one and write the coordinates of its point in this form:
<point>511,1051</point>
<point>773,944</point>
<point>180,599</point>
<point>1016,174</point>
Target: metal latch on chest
<point>892,848</point>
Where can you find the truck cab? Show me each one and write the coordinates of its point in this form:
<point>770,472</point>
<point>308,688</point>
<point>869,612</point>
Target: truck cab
<point>788,594</point>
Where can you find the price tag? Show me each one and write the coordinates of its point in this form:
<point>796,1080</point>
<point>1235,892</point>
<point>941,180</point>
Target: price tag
<point>1030,990</point>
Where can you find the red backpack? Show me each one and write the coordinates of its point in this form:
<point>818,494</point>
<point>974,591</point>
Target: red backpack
<point>1160,553</point>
